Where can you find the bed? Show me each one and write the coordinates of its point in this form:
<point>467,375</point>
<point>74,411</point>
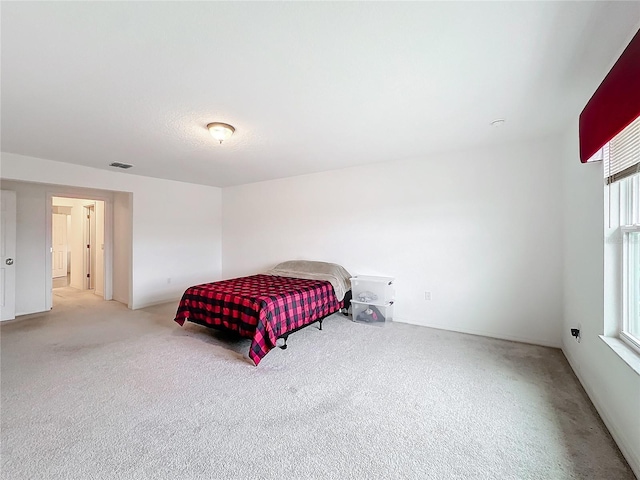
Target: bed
<point>271,305</point>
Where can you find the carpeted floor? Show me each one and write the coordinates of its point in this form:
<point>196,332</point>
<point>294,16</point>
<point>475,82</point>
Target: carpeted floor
<point>92,390</point>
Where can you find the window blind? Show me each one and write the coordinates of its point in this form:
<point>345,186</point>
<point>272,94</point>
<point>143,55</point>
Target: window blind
<point>615,103</point>
<point>622,153</point>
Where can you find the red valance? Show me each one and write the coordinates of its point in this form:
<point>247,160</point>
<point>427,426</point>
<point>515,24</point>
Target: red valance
<point>615,104</point>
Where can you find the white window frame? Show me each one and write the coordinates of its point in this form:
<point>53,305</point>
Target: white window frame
<point>621,172</point>
<point>627,295</point>
<point>621,156</point>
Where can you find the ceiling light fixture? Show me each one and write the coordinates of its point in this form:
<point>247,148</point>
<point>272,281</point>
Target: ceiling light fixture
<point>498,123</point>
<point>220,131</point>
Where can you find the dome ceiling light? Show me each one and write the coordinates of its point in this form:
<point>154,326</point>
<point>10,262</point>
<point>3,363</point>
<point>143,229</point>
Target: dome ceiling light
<point>220,131</point>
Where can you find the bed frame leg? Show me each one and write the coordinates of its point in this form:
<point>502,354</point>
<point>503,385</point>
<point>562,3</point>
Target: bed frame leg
<point>320,324</point>
<point>284,347</point>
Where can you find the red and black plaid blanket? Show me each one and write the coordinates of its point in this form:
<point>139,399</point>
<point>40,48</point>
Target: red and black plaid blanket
<point>260,307</point>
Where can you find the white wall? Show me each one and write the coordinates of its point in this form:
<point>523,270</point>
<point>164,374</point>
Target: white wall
<point>122,234</point>
<point>176,239</point>
<point>611,384</point>
<point>481,230</point>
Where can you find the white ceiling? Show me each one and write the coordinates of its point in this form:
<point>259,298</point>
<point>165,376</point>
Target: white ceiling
<point>308,86</point>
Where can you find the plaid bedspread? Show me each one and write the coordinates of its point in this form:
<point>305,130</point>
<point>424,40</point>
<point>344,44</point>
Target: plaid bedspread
<point>260,307</point>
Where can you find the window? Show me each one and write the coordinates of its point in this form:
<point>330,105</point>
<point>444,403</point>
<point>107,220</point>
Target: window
<point>630,331</point>
<point>621,158</point>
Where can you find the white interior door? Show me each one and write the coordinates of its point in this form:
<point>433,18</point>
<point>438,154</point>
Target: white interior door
<point>59,243</point>
<point>99,250</point>
<point>93,247</point>
<point>8,255</point>
<point>89,241</point>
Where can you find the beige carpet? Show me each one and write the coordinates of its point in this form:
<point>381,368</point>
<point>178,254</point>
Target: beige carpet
<point>59,282</point>
<point>92,390</point>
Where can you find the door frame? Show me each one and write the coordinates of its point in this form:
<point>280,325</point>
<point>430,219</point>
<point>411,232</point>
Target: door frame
<point>89,232</point>
<point>108,241</point>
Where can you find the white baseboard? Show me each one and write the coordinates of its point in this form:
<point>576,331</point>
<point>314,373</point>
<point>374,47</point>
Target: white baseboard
<point>175,300</point>
<point>482,333</point>
<point>623,443</point>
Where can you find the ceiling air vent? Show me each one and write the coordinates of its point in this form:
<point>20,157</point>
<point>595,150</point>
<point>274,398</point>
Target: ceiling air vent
<point>120,165</point>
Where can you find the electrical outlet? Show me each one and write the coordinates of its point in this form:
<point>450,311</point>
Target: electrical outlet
<point>427,295</point>
<point>577,332</point>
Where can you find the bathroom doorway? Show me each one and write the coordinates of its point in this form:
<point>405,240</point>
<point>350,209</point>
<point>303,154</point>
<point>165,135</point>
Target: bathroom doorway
<point>78,244</point>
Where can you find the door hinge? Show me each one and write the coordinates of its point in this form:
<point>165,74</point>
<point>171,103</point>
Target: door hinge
<point>88,275</point>
<point>88,246</point>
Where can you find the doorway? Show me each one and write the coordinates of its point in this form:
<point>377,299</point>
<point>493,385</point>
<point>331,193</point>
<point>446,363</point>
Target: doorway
<point>77,245</point>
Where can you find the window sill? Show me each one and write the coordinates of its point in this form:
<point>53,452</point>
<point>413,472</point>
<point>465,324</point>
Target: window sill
<point>625,352</point>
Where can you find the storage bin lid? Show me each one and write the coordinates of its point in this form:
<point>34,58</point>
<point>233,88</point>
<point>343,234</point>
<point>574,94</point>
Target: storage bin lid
<point>377,304</point>
<point>371,278</point>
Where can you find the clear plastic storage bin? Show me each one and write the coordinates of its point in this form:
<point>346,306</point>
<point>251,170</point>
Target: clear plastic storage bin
<point>371,314</point>
<point>373,290</point>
